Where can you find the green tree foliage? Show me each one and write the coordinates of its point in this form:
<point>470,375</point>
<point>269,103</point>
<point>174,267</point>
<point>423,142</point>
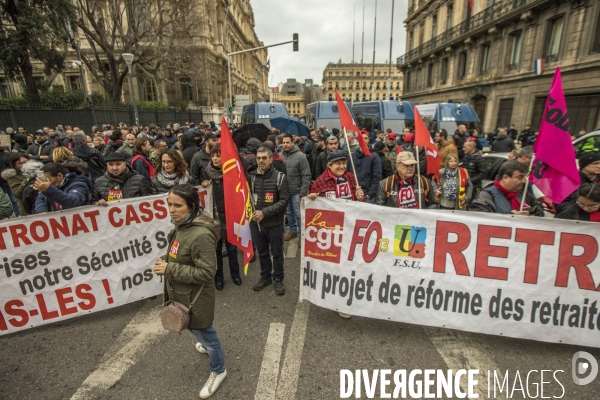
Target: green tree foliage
<point>33,29</point>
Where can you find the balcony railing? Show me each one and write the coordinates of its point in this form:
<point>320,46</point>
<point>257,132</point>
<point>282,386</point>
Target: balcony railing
<point>489,14</point>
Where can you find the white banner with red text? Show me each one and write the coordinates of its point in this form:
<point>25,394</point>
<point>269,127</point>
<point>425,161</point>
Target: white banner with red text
<point>69,263</point>
<point>523,277</point>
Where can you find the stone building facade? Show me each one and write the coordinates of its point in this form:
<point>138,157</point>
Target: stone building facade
<point>297,95</point>
<point>353,81</point>
<point>485,55</point>
<point>195,69</point>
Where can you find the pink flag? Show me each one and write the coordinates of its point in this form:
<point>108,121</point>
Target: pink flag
<point>554,170</point>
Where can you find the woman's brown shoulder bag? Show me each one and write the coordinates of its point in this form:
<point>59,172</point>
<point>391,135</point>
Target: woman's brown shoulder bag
<point>174,316</point>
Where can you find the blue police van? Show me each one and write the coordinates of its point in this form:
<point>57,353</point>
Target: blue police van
<point>384,114</point>
<point>257,113</point>
<point>323,113</point>
<point>448,116</point>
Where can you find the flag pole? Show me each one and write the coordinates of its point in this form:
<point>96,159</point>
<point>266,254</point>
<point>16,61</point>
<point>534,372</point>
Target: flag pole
<point>418,175</point>
<point>526,182</point>
<point>350,154</point>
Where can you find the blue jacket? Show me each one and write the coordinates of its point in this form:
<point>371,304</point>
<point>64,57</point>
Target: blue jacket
<point>74,192</point>
<point>368,172</point>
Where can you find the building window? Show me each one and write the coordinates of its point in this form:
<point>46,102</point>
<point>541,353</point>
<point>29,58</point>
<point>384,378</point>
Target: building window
<point>330,74</point>
<point>408,82</point>
<point>148,90</point>
<point>444,72</point>
<point>485,60</point>
<point>344,73</point>
<point>74,83</point>
<point>515,54</point>
<point>434,26</point>
<point>5,91</point>
<point>418,85</point>
<point>596,42</point>
<point>553,36</point>
<point>430,75</point>
<point>505,110</point>
<point>411,40</point>
<point>449,15</point>
<point>185,86</point>
<point>422,33</point>
<point>462,65</point>
<point>337,73</point>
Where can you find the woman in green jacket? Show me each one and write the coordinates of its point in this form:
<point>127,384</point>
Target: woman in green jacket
<point>190,266</point>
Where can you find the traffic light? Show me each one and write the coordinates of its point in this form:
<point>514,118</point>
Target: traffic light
<point>232,101</point>
<point>295,38</point>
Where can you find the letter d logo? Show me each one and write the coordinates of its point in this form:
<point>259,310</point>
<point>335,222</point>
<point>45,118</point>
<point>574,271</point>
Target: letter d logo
<point>583,367</point>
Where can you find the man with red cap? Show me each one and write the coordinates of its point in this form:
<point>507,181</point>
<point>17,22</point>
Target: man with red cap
<point>391,148</point>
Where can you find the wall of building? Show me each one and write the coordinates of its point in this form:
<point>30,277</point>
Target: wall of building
<point>508,74</point>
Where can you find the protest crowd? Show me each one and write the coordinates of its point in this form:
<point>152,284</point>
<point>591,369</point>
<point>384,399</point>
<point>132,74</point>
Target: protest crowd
<point>63,167</point>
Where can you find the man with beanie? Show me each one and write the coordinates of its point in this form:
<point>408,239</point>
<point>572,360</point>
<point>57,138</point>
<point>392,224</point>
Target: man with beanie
<point>92,157</point>
<point>188,146</point>
<point>589,172</point>
<point>119,182</point>
<point>41,149</point>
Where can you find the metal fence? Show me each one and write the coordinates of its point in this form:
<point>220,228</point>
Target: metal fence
<point>34,119</point>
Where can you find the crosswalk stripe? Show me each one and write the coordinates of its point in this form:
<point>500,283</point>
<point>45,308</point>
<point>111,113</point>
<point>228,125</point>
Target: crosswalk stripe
<point>269,370</point>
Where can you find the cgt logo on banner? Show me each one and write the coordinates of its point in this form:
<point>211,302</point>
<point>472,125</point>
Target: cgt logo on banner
<point>324,230</point>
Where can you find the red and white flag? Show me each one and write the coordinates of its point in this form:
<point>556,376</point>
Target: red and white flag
<point>423,138</point>
<point>237,197</point>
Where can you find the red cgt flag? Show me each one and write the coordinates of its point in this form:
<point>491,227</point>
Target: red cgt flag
<point>348,123</point>
<point>423,138</point>
<point>237,197</point>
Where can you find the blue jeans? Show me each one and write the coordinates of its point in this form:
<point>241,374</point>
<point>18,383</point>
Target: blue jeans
<point>14,202</point>
<point>293,214</point>
<point>211,342</point>
<point>371,200</point>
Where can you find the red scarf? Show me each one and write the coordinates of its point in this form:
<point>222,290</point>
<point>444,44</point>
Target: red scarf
<point>595,216</point>
<point>337,189</point>
<point>515,204</point>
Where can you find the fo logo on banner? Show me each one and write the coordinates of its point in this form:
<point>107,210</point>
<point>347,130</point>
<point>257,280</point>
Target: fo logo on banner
<point>323,234</point>
<point>409,241</point>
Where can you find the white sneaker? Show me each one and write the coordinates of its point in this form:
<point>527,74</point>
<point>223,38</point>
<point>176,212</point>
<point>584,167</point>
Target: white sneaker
<point>200,348</point>
<point>212,384</point>
<point>343,315</point>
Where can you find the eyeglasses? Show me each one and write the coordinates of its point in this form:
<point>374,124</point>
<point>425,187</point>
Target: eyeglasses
<point>593,206</point>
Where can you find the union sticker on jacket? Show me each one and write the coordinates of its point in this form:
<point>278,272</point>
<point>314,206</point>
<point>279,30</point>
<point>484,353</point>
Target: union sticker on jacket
<point>174,249</point>
<point>269,197</point>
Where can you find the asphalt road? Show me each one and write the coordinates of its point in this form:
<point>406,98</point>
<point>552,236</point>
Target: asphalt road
<point>276,348</point>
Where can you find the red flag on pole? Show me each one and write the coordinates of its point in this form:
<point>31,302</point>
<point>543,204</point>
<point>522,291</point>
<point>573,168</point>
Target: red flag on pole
<point>237,197</point>
<point>348,123</point>
<point>423,138</point>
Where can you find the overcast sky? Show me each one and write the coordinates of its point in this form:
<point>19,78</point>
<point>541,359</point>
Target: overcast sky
<point>325,29</point>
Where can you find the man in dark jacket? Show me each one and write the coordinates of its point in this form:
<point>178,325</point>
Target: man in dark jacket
<point>171,136</point>
<point>119,182</point>
<point>321,165</point>
<point>91,156</point>
<point>188,147</point>
<point>298,174</point>
<point>20,145</point>
<point>526,135</point>
<point>589,172</point>
<point>41,149</point>
<point>475,165</point>
<point>248,154</point>
<point>503,143</point>
<point>368,173</point>
<point>505,195</point>
<point>270,195</point>
<point>202,157</point>
<point>460,136</point>
<point>313,157</point>
<point>386,165</point>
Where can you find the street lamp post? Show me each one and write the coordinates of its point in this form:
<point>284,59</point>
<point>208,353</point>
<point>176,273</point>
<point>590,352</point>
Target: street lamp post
<point>128,57</point>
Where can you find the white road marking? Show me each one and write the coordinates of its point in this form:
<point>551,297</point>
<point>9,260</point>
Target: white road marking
<point>460,351</point>
<point>288,381</point>
<point>292,249</point>
<point>144,328</point>
<point>269,370</point>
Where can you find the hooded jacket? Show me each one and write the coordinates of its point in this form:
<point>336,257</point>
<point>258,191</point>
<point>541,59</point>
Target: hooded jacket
<point>93,159</point>
<point>142,165</point>
<point>476,167</point>
<point>135,185</point>
<point>368,172</point>
<point>248,155</point>
<point>111,147</point>
<point>6,208</point>
<point>20,143</point>
<point>37,149</point>
<point>298,171</point>
<point>191,263</point>
<point>199,161</point>
<point>74,191</point>
<point>188,147</point>
<point>15,179</point>
<point>503,144</point>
